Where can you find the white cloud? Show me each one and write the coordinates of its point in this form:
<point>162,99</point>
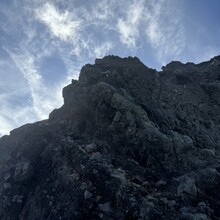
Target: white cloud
<point>5,125</point>
<point>160,21</point>
<point>61,25</point>
<point>43,100</point>
<point>13,89</point>
<point>10,77</point>
<point>102,10</point>
<point>128,27</point>
<point>102,49</point>
<point>164,30</point>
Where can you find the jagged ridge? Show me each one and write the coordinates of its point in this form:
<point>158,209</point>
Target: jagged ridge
<point>128,143</point>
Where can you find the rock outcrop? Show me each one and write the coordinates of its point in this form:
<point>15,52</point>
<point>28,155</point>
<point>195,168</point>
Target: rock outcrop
<point>128,143</point>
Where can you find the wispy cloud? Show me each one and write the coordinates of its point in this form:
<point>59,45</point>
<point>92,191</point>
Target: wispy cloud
<point>5,125</point>
<point>164,30</point>
<point>103,10</point>
<point>61,24</point>
<point>160,21</point>
<point>129,26</point>
<point>13,90</point>
<point>101,50</point>
<point>42,101</point>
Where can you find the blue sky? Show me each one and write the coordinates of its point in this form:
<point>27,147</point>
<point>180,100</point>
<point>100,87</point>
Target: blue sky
<point>43,44</point>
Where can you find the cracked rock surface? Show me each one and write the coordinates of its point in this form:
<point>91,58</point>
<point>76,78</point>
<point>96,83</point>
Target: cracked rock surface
<point>128,143</point>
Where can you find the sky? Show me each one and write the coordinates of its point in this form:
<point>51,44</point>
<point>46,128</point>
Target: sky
<point>44,44</point>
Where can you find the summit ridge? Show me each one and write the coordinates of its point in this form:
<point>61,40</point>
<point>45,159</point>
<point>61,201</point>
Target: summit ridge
<point>129,142</point>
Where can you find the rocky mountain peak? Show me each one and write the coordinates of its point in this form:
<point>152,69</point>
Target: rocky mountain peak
<point>109,66</point>
<point>118,61</point>
<point>215,61</point>
<point>128,143</point>
<point>177,66</point>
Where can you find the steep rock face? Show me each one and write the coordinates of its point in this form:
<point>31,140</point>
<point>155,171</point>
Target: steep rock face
<point>128,143</point>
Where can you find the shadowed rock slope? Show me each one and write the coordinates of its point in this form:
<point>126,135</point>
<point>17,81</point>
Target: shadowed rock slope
<point>128,143</point>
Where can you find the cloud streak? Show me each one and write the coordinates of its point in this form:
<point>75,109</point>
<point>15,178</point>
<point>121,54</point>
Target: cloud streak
<point>41,100</point>
<point>164,30</point>
<point>129,26</point>
<point>61,25</point>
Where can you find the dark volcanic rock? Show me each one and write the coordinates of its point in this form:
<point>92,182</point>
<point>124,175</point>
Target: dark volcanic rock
<point>128,143</point>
